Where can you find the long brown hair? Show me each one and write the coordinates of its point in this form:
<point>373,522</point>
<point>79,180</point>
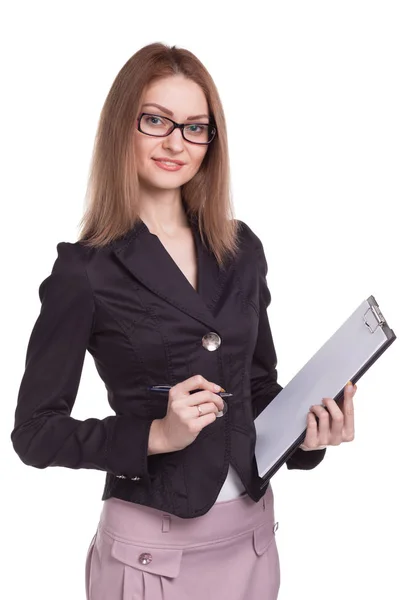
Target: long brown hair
<point>113,186</point>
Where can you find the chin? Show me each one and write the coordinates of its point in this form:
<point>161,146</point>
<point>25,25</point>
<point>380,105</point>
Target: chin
<point>159,184</point>
<point>169,181</point>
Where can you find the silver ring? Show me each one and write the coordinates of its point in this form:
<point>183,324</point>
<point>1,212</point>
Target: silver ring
<point>199,409</point>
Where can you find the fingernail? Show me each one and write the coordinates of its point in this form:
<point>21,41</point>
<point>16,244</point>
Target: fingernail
<point>218,388</point>
<point>349,386</point>
<point>222,390</point>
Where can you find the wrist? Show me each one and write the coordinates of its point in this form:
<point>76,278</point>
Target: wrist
<point>303,447</point>
<point>157,443</point>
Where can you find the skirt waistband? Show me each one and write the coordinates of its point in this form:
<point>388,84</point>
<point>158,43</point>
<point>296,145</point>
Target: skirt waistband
<point>134,523</point>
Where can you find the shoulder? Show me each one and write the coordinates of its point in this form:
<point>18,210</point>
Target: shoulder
<point>252,247</point>
<point>249,242</point>
<point>70,258</point>
<point>68,276</point>
<point>247,237</point>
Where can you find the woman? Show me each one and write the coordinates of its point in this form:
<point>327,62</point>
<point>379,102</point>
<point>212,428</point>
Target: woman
<point>164,287</point>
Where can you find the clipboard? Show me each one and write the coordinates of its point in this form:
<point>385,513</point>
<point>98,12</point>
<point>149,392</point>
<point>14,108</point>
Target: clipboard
<point>346,356</point>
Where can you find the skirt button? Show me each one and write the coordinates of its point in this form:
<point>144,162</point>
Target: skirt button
<point>211,341</point>
<point>145,558</point>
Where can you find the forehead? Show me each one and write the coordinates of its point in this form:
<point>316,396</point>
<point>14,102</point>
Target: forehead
<point>177,93</point>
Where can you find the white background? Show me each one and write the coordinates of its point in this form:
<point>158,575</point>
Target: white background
<point>311,94</point>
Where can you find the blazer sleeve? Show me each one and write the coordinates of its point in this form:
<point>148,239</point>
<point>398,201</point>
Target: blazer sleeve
<point>44,432</point>
<point>264,385</point>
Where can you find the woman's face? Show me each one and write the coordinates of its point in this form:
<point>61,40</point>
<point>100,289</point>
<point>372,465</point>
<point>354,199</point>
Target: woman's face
<point>178,98</point>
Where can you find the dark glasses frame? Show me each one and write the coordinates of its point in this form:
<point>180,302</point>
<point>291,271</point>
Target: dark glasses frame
<point>174,126</point>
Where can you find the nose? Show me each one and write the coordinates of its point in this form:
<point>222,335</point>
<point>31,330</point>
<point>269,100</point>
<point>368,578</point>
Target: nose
<point>174,141</point>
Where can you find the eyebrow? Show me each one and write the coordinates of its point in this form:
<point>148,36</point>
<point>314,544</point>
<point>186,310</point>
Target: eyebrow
<point>169,112</point>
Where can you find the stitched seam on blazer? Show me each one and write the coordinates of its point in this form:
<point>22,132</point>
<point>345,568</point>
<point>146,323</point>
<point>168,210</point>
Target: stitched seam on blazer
<point>125,333</point>
<point>189,360</point>
<point>91,290</point>
<point>136,288</point>
<point>132,236</point>
<point>254,307</point>
<point>188,502</point>
<point>241,429</point>
<point>245,304</point>
<point>217,294</point>
<point>247,301</point>
<point>166,344</point>
<point>227,428</point>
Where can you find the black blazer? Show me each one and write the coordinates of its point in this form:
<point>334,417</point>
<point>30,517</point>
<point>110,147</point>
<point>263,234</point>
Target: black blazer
<point>132,308</point>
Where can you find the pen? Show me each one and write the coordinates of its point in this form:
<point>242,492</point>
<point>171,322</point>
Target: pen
<point>165,389</point>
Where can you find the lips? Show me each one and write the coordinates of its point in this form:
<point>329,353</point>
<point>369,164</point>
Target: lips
<point>169,161</point>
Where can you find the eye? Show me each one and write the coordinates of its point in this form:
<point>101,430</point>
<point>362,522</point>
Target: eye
<point>154,120</point>
<point>196,129</point>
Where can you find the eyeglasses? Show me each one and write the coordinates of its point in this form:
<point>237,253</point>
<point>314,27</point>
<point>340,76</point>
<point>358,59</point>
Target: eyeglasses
<point>157,126</point>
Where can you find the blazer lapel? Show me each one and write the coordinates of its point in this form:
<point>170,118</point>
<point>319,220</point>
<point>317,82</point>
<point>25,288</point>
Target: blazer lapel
<point>144,256</point>
<point>211,278</point>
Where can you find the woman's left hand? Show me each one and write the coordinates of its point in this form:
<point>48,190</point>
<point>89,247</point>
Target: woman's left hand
<point>336,422</point>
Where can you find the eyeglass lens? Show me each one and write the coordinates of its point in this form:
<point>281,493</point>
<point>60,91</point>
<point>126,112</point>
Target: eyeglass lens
<point>161,126</point>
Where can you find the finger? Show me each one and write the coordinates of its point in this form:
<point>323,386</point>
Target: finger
<point>348,412</point>
<point>337,421</point>
<point>205,396</point>
<point>323,424</point>
<point>203,409</point>
<point>341,401</point>
<point>311,439</point>
<point>202,421</point>
<point>197,382</point>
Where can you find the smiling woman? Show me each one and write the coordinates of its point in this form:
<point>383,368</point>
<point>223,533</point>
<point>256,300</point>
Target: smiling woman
<point>165,143</point>
<point>163,288</point>
<point>166,101</point>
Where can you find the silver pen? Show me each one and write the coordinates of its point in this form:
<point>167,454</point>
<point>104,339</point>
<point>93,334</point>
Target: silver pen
<point>163,389</point>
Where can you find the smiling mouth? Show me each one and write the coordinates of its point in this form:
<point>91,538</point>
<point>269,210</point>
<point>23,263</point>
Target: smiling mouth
<point>169,162</point>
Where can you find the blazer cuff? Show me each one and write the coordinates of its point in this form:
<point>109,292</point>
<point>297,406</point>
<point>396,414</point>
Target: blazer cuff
<point>305,460</point>
<point>126,452</point>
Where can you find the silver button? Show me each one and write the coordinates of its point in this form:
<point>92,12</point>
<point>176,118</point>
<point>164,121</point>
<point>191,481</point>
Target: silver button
<point>145,558</point>
<point>211,341</point>
<point>135,478</point>
<point>223,411</point>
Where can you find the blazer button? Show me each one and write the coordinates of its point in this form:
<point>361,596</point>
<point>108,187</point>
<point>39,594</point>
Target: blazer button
<point>211,341</point>
<point>221,413</point>
<point>145,558</point>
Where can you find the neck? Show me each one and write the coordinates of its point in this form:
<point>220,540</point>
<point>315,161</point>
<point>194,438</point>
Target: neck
<point>163,211</point>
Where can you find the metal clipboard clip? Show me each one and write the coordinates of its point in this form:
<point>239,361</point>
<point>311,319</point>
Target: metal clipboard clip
<point>373,318</point>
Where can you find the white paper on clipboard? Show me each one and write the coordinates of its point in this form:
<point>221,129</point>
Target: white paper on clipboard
<point>347,355</point>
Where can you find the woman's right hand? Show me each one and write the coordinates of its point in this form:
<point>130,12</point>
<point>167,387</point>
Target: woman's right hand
<point>184,421</point>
